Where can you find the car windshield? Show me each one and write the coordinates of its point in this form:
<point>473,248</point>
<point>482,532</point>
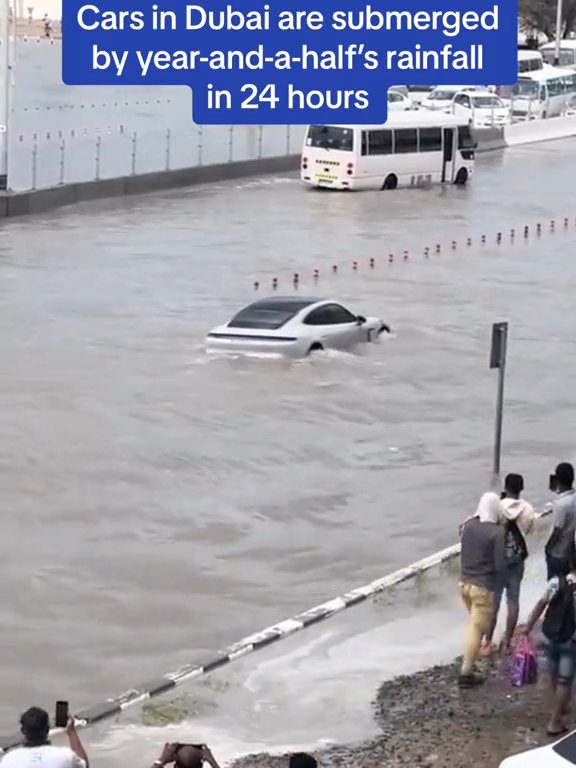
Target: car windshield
<point>267,315</point>
<point>442,95</point>
<point>330,137</point>
<point>526,88</point>
<point>566,748</point>
<point>483,102</point>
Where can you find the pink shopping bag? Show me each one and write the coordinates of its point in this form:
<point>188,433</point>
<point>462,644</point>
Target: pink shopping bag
<point>523,668</point>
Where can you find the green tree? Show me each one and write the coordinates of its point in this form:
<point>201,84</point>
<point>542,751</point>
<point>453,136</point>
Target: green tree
<point>540,15</point>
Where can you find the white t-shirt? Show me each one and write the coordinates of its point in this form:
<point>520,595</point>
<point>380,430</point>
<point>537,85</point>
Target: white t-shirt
<point>47,756</point>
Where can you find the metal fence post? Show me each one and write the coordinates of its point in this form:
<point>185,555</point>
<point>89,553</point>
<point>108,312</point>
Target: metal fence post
<point>231,144</point>
<point>134,150</point>
<point>260,136</point>
<point>34,161</point>
<point>200,144</point>
<point>62,156</point>
<point>98,156</point>
<point>288,139</point>
<point>168,148</point>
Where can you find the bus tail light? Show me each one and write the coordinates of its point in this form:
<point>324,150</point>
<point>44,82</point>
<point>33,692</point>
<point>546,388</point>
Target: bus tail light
<point>304,163</point>
<point>350,170</point>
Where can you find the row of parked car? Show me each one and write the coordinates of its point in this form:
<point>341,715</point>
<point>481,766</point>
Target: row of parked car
<point>477,105</point>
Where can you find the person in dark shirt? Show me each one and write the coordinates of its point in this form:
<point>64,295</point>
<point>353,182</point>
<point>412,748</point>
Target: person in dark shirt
<point>482,563</point>
<point>186,756</point>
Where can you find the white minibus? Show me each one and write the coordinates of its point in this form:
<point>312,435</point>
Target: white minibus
<point>529,61</point>
<point>542,94</point>
<point>567,53</point>
<point>411,149</point>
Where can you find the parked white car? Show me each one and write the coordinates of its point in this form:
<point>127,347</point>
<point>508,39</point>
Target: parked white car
<point>294,326</point>
<point>399,102</point>
<point>561,754</point>
<point>440,98</point>
<point>481,108</point>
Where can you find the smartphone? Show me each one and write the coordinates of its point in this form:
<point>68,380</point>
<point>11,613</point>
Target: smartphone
<point>62,714</point>
<point>552,483</point>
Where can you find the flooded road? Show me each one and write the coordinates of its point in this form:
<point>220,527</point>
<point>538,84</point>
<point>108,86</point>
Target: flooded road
<point>157,503</point>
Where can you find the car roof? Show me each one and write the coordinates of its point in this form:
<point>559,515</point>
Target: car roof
<point>283,301</point>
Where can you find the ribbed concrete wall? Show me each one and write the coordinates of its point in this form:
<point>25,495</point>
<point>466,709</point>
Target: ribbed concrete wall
<point>36,201</point>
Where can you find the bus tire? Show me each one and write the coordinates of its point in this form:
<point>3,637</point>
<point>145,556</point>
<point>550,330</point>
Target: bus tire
<point>461,177</point>
<point>316,347</point>
<point>390,182</point>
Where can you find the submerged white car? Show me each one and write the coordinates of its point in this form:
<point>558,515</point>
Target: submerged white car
<point>481,108</point>
<point>294,326</point>
<point>440,98</point>
<point>399,102</point>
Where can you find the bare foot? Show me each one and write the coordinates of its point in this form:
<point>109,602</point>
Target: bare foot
<point>485,649</point>
<point>556,728</point>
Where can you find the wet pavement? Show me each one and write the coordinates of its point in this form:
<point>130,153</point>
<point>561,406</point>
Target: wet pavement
<point>157,503</point>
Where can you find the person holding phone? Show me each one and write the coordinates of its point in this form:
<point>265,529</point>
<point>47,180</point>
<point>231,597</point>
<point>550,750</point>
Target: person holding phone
<point>38,751</point>
<point>186,756</point>
<point>561,546</point>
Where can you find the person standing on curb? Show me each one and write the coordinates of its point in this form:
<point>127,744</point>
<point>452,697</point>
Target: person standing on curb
<point>561,546</point>
<point>558,605</point>
<point>520,518</point>
<point>482,563</point>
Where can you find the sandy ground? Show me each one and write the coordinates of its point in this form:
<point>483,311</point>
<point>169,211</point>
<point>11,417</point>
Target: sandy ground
<point>425,719</point>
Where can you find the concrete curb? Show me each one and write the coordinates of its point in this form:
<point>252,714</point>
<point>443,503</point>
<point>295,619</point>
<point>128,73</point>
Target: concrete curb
<point>39,200</point>
<point>151,688</point>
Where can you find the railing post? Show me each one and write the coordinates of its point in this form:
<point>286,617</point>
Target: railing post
<point>168,148</point>
<point>98,155</point>
<point>288,139</point>
<point>231,144</point>
<point>34,162</point>
<point>260,136</point>
<point>62,158</point>
<point>200,144</point>
<point>134,150</point>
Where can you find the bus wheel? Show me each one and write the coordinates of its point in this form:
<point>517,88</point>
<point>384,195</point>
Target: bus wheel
<point>461,177</point>
<point>390,182</point>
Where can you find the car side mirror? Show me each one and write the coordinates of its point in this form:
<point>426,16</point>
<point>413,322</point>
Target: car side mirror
<point>361,320</point>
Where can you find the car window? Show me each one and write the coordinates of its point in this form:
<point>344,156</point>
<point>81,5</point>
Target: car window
<point>394,97</point>
<point>461,99</point>
<point>329,314</point>
<point>267,315</point>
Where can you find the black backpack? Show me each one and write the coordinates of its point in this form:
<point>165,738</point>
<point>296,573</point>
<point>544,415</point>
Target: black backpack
<point>516,549</point>
<point>559,624</point>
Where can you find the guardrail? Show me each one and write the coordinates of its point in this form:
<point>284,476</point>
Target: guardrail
<point>68,155</point>
<point>141,693</point>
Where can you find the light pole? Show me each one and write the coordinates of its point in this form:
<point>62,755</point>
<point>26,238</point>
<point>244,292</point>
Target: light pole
<point>558,33</point>
<point>5,88</point>
<point>498,361</point>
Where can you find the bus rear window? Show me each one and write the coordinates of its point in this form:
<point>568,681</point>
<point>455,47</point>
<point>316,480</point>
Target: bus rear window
<point>465,138</point>
<point>567,57</point>
<point>330,137</point>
